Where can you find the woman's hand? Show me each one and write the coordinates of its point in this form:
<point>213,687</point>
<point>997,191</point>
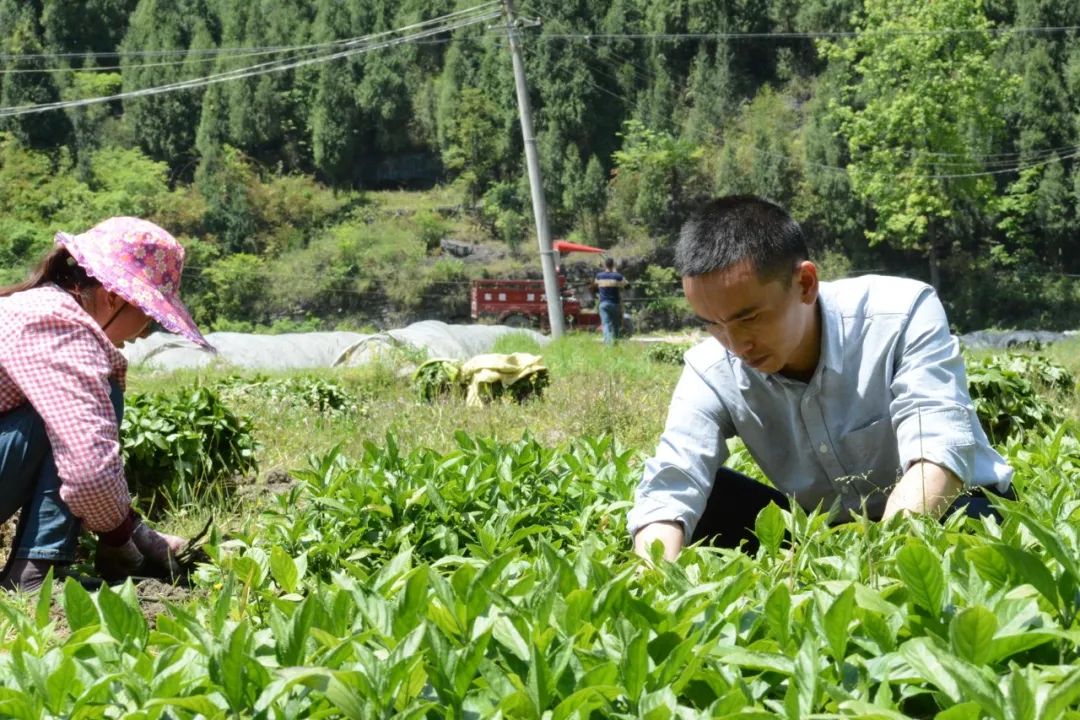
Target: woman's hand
<point>158,548</point>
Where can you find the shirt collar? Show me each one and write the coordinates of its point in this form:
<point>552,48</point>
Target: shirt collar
<point>832,329</point>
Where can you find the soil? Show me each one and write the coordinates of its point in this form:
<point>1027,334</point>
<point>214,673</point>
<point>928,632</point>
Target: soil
<point>154,594</point>
<point>274,482</point>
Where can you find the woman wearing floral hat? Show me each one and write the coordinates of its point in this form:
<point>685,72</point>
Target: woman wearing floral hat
<point>61,397</point>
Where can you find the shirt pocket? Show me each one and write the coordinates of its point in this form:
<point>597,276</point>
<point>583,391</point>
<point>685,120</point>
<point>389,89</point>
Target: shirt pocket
<point>870,457</point>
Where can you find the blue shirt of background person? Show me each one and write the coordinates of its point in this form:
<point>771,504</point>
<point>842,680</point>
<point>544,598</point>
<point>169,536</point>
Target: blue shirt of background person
<point>608,283</point>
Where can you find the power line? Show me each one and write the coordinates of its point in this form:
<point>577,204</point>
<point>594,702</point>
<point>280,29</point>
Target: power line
<point>175,63</point>
<point>811,34</point>
<point>266,49</point>
<point>254,70</point>
<point>922,176</point>
<point>587,36</point>
<point>139,66</point>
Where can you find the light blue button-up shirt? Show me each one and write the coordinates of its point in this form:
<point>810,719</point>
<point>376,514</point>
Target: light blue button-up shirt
<point>889,389</point>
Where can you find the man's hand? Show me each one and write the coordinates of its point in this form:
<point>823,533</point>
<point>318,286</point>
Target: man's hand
<point>158,548</point>
<point>116,562</point>
<point>925,488</point>
<point>669,533</point>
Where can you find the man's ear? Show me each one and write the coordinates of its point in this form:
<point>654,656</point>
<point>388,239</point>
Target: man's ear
<point>807,279</point>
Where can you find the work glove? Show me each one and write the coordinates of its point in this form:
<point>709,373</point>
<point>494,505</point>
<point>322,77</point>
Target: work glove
<point>116,562</point>
<point>159,549</point>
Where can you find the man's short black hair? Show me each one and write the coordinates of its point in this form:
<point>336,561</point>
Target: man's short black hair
<point>726,231</point>
<point>609,263</point>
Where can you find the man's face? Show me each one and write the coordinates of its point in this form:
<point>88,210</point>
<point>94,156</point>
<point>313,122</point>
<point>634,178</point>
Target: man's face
<point>765,324</point>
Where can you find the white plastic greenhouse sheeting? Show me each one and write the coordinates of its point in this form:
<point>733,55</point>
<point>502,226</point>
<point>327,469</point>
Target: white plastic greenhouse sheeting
<point>290,351</point>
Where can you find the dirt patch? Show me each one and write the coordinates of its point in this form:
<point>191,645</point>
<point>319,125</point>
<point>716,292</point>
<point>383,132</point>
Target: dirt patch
<point>274,482</point>
<point>154,595</point>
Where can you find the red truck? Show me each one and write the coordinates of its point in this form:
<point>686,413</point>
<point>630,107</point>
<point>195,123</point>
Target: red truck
<point>523,303</point>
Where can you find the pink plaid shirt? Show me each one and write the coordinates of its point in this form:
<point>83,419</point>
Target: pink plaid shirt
<point>56,357</point>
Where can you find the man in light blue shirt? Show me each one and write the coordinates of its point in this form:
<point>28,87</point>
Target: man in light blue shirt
<point>848,394</point>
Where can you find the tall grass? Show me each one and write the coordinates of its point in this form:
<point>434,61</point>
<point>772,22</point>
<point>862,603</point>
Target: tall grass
<point>594,389</point>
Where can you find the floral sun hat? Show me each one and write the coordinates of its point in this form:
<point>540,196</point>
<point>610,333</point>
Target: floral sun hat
<point>141,263</point>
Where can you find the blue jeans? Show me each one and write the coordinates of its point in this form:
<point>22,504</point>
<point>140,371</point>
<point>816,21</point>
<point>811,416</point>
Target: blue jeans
<point>611,318</point>
<point>28,480</point>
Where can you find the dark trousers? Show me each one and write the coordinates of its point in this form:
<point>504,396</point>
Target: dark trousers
<point>736,500</point>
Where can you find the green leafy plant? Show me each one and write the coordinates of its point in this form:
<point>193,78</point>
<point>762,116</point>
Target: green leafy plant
<point>327,397</point>
<point>497,579</point>
<point>1009,393</point>
<point>181,447</point>
<point>436,379</point>
<point>666,352</point>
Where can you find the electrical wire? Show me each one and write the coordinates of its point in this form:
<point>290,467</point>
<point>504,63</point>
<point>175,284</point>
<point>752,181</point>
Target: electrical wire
<point>249,71</point>
<point>586,36</point>
<point>267,49</point>
<point>812,34</point>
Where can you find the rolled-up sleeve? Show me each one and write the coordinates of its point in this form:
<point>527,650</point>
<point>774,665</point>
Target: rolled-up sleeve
<point>678,478</point>
<point>931,410</point>
<point>61,369</point>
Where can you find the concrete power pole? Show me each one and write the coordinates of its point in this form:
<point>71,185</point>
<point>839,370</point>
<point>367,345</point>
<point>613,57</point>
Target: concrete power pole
<point>532,160</point>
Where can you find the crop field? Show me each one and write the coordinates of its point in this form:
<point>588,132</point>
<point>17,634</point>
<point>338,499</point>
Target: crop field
<point>374,555</point>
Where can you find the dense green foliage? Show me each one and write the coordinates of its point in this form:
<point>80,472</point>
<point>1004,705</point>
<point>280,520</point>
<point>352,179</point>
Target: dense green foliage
<point>496,576</point>
<point>183,447</point>
<point>496,579</point>
<point>945,154</point>
<point>1014,394</point>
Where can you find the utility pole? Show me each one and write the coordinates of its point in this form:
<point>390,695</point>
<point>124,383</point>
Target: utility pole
<point>532,161</point>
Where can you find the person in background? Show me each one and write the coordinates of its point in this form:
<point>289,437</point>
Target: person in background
<point>609,285</point>
<point>849,395</point>
<point>61,397</point>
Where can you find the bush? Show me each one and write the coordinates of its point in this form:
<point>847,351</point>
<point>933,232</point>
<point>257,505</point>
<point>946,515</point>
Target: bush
<point>431,228</point>
<point>183,447</point>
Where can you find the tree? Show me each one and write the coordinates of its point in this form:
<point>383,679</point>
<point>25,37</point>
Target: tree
<point>918,111</point>
<point>224,178</point>
<point>656,176</point>
<point>473,145</point>
<point>74,26</point>
<point>757,157</point>
<point>709,93</point>
<point>585,195</point>
<point>165,125</point>
<point>335,117</point>
<point>88,121</point>
<point>829,211</point>
<point>25,85</point>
